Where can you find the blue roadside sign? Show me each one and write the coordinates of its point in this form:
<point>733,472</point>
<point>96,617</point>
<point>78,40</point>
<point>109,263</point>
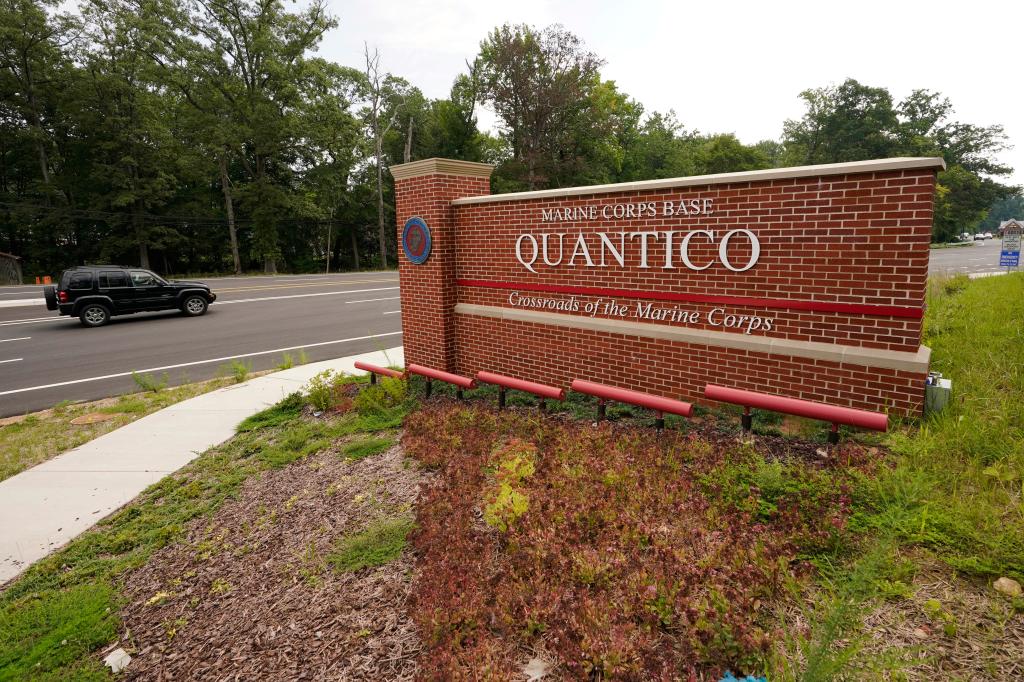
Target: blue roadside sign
<point>1009,256</point>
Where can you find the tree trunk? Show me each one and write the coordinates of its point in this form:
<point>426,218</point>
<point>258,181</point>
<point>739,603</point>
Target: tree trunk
<point>381,234</point>
<point>229,209</point>
<point>355,250</point>
<point>407,156</point>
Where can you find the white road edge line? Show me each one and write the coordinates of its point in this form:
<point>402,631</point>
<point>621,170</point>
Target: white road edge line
<point>371,300</point>
<point>197,362</point>
<point>28,320</point>
<point>13,360</point>
<point>392,312</point>
<point>20,338</point>
<point>324,293</point>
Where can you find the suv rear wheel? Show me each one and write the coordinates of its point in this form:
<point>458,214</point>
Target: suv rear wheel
<point>194,305</point>
<point>94,315</point>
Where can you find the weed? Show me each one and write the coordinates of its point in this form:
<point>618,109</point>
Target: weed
<point>149,383</point>
<point>281,413</point>
<point>322,391</point>
<point>239,370</point>
<point>381,543</point>
<point>287,361</point>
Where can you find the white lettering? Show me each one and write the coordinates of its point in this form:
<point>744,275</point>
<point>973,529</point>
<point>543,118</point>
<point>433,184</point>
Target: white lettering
<point>643,244</point>
<point>606,246</point>
<point>544,248</point>
<point>581,247</point>
<point>519,252</point>
<point>755,250</point>
<point>684,248</point>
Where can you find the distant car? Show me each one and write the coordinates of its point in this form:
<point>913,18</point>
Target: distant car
<point>95,293</point>
<point>979,237</point>
<point>988,235</point>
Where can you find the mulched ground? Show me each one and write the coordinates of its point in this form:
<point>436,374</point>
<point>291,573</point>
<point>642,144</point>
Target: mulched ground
<point>251,596</point>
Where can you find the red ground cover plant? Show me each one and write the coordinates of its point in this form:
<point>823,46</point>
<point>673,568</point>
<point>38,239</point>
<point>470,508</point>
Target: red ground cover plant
<point>622,552</point>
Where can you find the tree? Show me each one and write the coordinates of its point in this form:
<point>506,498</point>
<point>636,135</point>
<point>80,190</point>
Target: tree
<point>539,83</point>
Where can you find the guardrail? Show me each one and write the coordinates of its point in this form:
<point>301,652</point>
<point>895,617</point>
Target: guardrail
<point>657,403</point>
<point>429,373</point>
<point>864,419</point>
<point>503,382</point>
<point>375,370</point>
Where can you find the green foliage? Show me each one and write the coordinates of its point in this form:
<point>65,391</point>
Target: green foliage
<point>382,542</point>
<point>323,390</point>
<point>287,361</point>
<point>504,499</point>
<point>281,413</point>
<point>368,447</point>
<point>50,631</point>
<point>239,370</point>
<point>147,382</point>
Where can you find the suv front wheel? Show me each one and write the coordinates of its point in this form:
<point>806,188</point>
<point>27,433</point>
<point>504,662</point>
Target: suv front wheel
<point>94,315</point>
<point>194,306</point>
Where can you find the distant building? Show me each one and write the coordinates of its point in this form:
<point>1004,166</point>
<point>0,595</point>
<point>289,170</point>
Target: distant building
<point>10,269</point>
<point>1006,223</point>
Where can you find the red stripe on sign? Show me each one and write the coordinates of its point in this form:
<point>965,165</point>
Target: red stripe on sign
<point>783,303</point>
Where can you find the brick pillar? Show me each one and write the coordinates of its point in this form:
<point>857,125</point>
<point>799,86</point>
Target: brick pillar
<point>425,189</point>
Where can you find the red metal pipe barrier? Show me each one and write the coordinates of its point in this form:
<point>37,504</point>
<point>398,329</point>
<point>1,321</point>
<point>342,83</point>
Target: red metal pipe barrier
<point>503,382</point>
<point>623,395</point>
<point>430,373</point>
<point>864,419</point>
<point>374,370</point>
<point>541,390</point>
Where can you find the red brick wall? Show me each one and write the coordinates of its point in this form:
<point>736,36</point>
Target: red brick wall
<point>428,290</point>
<point>852,240</point>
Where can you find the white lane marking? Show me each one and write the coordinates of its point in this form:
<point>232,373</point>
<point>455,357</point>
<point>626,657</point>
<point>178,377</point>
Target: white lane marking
<point>323,293</point>
<point>197,362</point>
<point>371,300</point>
<point>18,293</point>
<point>14,360</point>
<point>392,312</point>
<point>22,302</point>
<point>20,338</point>
<point>28,320</point>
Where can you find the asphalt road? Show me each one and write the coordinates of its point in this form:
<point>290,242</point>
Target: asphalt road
<point>45,358</point>
<point>982,256</point>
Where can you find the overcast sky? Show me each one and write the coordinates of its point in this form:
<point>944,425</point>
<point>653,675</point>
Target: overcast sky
<point>726,66</point>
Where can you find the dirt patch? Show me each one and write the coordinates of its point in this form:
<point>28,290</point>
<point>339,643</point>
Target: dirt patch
<point>950,628</point>
<point>250,594</point>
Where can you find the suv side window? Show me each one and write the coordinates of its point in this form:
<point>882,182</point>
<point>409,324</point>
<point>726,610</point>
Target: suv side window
<point>80,280</point>
<point>113,279</point>
<point>141,278</point>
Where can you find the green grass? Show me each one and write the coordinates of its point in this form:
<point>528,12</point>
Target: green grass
<point>381,543</point>
<point>956,484</point>
<point>46,434</point>
<point>366,448</point>
<point>64,609</point>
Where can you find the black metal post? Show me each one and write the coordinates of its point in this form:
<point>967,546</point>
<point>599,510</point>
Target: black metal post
<point>501,397</point>
<point>659,423</point>
<point>458,393</point>
<point>747,420</point>
<point>833,434</point>
<point>543,406</point>
<point>373,378</point>
<point>429,387</point>
<point>600,410</point>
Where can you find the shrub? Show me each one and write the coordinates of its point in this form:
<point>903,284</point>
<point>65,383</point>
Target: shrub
<point>323,390</point>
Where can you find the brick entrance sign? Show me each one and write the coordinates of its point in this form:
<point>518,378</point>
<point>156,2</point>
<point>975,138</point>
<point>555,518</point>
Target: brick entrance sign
<point>806,282</point>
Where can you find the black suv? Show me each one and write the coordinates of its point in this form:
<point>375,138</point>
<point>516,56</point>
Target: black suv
<point>95,292</point>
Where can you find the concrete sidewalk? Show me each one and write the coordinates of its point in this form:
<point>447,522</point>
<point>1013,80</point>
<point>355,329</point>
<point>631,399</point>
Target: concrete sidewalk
<point>45,507</point>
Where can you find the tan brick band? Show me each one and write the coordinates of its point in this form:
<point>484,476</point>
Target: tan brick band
<point>822,170</point>
<point>867,357</point>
